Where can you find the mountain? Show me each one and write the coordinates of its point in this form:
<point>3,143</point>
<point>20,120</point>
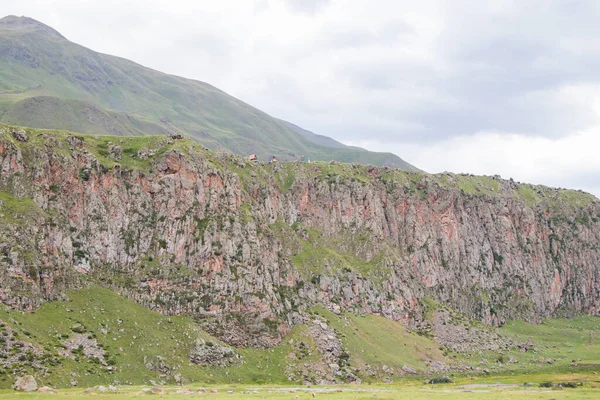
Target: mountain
<point>47,81</point>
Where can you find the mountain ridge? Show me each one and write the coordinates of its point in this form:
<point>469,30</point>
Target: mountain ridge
<point>14,22</point>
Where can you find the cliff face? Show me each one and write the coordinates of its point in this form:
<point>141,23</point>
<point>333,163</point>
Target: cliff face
<point>248,248</point>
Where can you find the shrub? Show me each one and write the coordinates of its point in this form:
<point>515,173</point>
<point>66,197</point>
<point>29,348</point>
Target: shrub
<point>440,379</point>
<point>571,385</point>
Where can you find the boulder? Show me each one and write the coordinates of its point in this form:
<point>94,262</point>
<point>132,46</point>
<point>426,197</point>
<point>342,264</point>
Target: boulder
<point>47,389</point>
<point>408,370</point>
<point>20,135</point>
<point>115,151</point>
<point>25,383</point>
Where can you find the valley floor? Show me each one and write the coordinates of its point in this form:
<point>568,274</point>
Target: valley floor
<point>509,387</point>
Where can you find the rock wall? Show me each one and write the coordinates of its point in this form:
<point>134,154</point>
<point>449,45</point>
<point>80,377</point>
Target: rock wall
<point>248,248</point>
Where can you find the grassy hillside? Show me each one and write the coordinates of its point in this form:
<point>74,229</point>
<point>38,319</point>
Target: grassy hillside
<point>140,345</point>
<point>76,115</point>
<point>377,341</point>
<point>132,337</point>
<point>47,81</point>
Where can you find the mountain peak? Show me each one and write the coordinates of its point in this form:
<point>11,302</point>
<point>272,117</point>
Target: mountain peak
<point>26,24</point>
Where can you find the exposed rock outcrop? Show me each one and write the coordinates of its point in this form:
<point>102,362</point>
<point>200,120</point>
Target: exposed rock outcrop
<point>25,383</point>
<point>247,250</point>
<point>210,353</point>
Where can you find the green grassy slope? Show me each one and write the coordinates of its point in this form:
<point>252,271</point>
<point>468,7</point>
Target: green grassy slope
<point>377,341</point>
<point>76,115</point>
<point>558,344</point>
<point>133,336</point>
<point>36,62</point>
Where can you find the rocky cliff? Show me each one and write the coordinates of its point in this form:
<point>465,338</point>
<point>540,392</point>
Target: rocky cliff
<point>248,248</point>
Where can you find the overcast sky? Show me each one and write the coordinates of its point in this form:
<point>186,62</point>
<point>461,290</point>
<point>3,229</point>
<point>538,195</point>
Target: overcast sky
<point>486,87</point>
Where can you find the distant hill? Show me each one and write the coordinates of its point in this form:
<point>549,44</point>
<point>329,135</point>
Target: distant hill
<point>46,81</point>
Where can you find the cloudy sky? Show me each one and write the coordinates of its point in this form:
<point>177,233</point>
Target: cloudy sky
<point>486,87</point>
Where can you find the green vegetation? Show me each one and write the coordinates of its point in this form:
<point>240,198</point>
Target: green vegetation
<point>564,199</point>
<point>377,341</point>
<point>132,153</point>
<point>478,184</point>
<point>141,345</point>
<point>18,211</point>
<point>560,345</point>
<point>132,337</point>
<point>528,194</point>
<point>323,255</point>
<point>472,389</point>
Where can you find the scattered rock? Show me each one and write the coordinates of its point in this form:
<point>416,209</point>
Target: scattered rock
<point>157,364</point>
<point>82,342</point>
<point>144,153</point>
<point>450,330</point>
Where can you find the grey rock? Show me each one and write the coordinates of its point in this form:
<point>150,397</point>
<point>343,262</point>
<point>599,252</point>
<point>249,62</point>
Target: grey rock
<point>20,135</point>
<point>211,353</point>
<point>25,383</point>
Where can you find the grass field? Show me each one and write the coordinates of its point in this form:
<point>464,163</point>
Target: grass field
<point>462,389</point>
